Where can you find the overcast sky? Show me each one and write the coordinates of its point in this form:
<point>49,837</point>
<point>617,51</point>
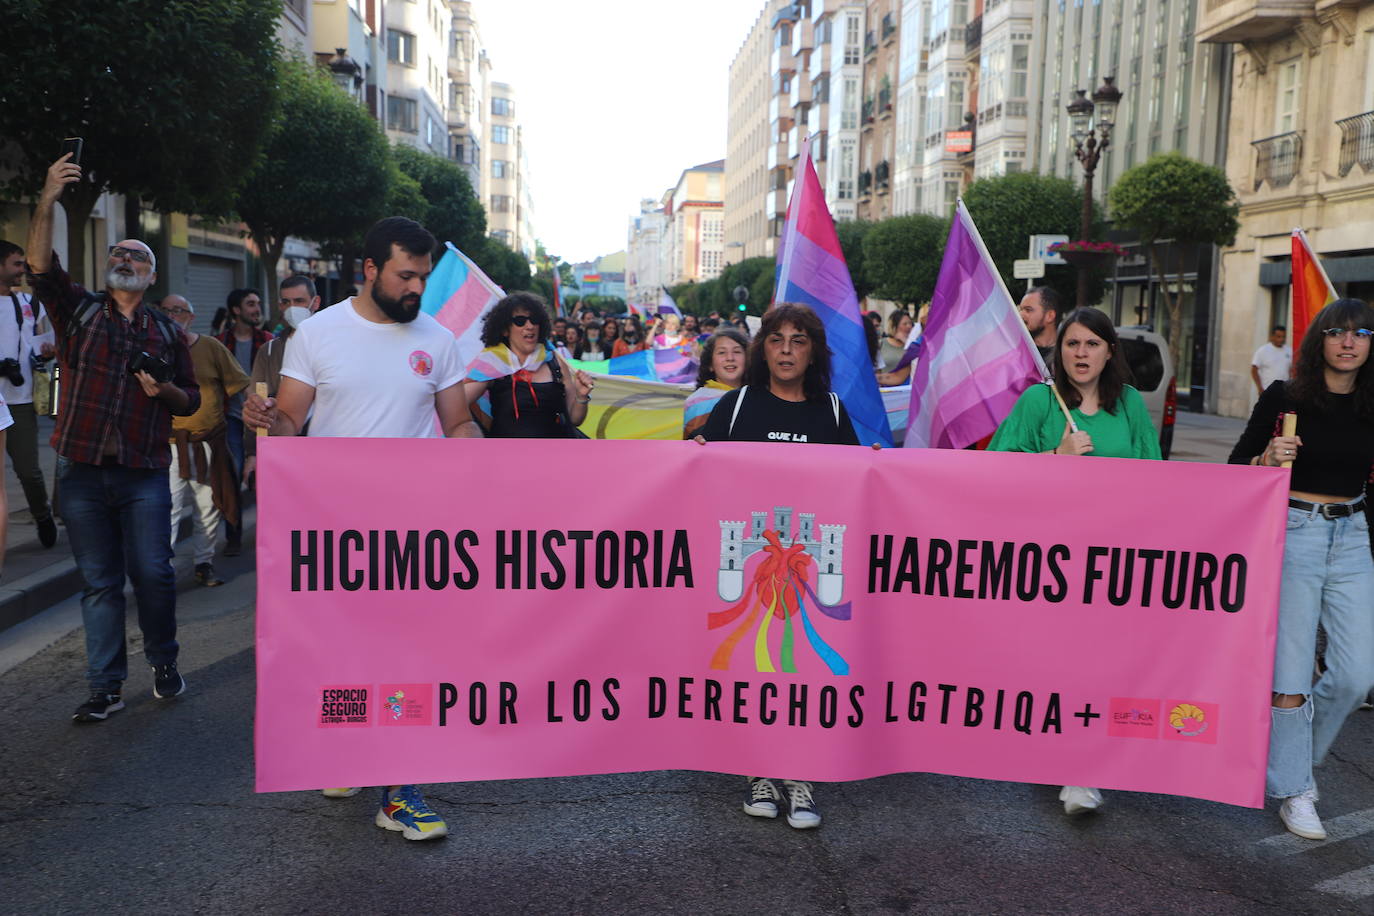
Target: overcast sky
<point>616,98</point>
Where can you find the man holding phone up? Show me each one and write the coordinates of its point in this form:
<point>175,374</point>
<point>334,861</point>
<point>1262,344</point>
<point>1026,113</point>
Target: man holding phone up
<point>126,370</point>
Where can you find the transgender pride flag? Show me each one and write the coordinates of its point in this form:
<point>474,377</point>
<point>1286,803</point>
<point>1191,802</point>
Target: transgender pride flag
<point>459,296</point>
<point>976,356</point>
<point>812,272</point>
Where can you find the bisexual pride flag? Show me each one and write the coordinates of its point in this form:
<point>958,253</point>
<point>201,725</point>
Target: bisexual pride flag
<point>812,272</point>
<point>459,296</point>
<point>976,355</point>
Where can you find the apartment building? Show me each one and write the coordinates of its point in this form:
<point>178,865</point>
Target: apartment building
<point>877,139</point>
<point>469,71</point>
<point>1300,152</point>
<point>417,48</point>
<point>524,199</point>
<point>503,160</point>
<point>836,73</point>
<point>694,236</point>
<point>645,252</point>
<point>908,167</point>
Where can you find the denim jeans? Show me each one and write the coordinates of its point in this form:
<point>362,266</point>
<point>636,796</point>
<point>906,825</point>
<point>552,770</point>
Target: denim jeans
<point>1328,578</point>
<point>117,522</point>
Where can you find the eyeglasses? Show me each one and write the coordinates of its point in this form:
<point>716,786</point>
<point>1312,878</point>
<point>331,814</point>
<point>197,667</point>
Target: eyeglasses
<point>521,320</point>
<point>1339,333</point>
<point>119,251</point>
<point>177,311</point>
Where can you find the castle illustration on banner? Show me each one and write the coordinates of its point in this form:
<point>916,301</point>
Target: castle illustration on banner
<point>827,550</point>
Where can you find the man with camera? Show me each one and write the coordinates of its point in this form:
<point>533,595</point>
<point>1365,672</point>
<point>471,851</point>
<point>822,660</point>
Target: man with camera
<point>126,370</point>
<point>20,347</point>
<point>202,472</point>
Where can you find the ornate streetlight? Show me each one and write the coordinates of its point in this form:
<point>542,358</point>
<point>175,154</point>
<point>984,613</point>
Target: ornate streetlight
<point>347,72</point>
<point>1089,140</point>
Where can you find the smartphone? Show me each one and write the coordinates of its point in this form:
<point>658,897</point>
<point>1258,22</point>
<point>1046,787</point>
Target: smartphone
<point>72,145</point>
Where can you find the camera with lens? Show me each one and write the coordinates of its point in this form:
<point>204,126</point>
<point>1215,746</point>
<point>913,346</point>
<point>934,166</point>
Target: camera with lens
<point>12,372</point>
<point>159,369</point>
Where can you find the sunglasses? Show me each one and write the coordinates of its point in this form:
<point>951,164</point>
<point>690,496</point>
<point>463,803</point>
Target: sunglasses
<point>1338,333</point>
<point>119,251</point>
<point>521,320</point>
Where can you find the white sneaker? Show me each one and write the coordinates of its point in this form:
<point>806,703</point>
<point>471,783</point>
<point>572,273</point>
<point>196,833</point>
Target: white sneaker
<point>1080,799</point>
<point>1299,815</point>
<point>340,793</point>
<point>763,798</point>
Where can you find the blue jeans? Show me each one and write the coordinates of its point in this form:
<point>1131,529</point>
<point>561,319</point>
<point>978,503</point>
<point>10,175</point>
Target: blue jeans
<point>1328,578</point>
<point>117,521</point>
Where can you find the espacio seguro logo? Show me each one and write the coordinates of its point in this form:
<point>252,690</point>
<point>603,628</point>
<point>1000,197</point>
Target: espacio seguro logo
<point>780,588</point>
<point>362,705</point>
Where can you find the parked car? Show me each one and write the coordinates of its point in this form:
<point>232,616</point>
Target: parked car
<point>1148,356</point>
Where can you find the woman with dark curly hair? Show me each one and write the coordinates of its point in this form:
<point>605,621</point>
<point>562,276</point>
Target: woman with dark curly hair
<point>515,386</point>
<point>722,370</point>
<point>1328,576</point>
<point>787,398</point>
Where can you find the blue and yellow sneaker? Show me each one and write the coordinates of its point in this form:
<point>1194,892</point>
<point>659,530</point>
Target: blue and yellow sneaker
<point>405,810</point>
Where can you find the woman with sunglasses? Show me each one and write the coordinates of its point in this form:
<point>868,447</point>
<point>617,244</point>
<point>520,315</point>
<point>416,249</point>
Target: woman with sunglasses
<point>515,386</point>
<point>1328,575</point>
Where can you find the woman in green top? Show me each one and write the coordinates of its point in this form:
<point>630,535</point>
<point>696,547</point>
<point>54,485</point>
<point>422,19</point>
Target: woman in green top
<point>1091,374</point>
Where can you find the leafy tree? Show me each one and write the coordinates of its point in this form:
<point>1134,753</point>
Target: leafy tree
<point>902,256</point>
<point>325,173</point>
<point>755,275</point>
<point>508,269</point>
<point>1008,209</point>
<point>1171,202</point>
<point>451,209</point>
<point>851,234</point>
<point>172,98</point>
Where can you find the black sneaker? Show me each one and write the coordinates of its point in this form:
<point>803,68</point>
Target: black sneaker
<point>762,798</point>
<point>233,548</point>
<point>98,707</point>
<point>205,575</point>
<point>167,683</point>
<point>47,531</point>
<point>801,807</point>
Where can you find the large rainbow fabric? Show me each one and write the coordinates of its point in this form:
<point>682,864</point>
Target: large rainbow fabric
<point>674,365</point>
<point>976,355</point>
<point>697,409</point>
<point>459,296</point>
<point>811,271</point>
<point>1312,291</point>
<point>499,362</point>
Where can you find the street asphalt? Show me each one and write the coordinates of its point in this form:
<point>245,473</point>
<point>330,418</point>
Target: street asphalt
<point>153,811</point>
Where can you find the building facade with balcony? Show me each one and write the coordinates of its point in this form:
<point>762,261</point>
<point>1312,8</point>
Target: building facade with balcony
<point>694,212</point>
<point>836,73</point>
<point>750,147</point>
<point>908,159</point>
<point>947,104</point>
<point>469,70</point>
<point>644,253</point>
<point>877,111</point>
<point>1300,154</point>
<point>997,46</point>
<point>417,48</point>
<point>501,178</point>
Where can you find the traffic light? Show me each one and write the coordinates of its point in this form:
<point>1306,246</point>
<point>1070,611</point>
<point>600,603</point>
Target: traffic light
<point>743,307</point>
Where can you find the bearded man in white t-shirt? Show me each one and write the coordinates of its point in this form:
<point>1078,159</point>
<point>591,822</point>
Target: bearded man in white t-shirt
<point>374,366</point>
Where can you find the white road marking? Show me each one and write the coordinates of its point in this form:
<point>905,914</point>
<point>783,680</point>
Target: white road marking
<point>1353,884</point>
<point>1357,823</point>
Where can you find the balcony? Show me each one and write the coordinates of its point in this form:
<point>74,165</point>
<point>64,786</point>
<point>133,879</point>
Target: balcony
<point>973,34</point>
<point>884,101</point>
<point>889,28</point>
<point>865,184</point>
<point>882,176</point>
<point>1250,20</point>
<point>1277,159</point>
<point>866,111</point>
<point>870,44</point>
<point>1357,142</point>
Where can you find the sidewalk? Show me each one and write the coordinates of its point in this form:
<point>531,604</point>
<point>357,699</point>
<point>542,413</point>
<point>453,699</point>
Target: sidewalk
<point>36,578</point>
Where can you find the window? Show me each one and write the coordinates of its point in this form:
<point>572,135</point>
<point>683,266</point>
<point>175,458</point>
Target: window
<point>402,114</point>
<point>500,133</point>
<point>784,36</point>
<point>502,107</point>
<point>853,42</point>
<point>956,105</point>
<point>400,47</point>
<point>1020,70</point>
<point>993,79</point>
<point>1289,87</point>
<point>502,203</point>
<point>845,185</point>
<point>500,168</point>
<point>505,236</point>
<point>849,106</point>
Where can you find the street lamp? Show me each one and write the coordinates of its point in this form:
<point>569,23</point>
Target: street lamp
<point>1089,140</point>
<point>347,72</point>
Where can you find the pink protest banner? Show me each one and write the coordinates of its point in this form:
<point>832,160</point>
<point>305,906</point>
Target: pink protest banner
<point>435,611</point>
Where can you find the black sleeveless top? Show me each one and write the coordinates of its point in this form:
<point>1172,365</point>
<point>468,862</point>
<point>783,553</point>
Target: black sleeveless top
<point>529,410</point>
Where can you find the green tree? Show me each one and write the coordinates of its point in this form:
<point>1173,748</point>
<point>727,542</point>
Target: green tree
<point>172,98</point>
<point>508,269</point>
<point>1008,209</point>
<point>325,173</point>
<point>755,275</point>
<point>851,234</point>
<point>902,256</point>
<point>451,209</point>
<point>1172,202</point>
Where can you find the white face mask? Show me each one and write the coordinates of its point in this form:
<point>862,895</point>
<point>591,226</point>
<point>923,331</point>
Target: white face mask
<point>295,315</point>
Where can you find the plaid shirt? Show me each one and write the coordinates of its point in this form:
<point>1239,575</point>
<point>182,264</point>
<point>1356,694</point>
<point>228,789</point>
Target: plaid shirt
<point>260,337</point>
<point>100,399</point>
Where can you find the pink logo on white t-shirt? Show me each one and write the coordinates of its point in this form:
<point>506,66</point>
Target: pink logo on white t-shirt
<point>421,363</point>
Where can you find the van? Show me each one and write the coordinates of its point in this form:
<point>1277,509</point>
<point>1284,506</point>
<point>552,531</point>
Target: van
<point>1153,369</point>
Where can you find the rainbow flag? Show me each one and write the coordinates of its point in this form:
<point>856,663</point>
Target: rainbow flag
<point>675,366</point>
<point>697,409</point>
<point>459,296</point>
<point>1312,289</point>
<point>976,355</point>
<point>812,272</point>
<point>558,294</point>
